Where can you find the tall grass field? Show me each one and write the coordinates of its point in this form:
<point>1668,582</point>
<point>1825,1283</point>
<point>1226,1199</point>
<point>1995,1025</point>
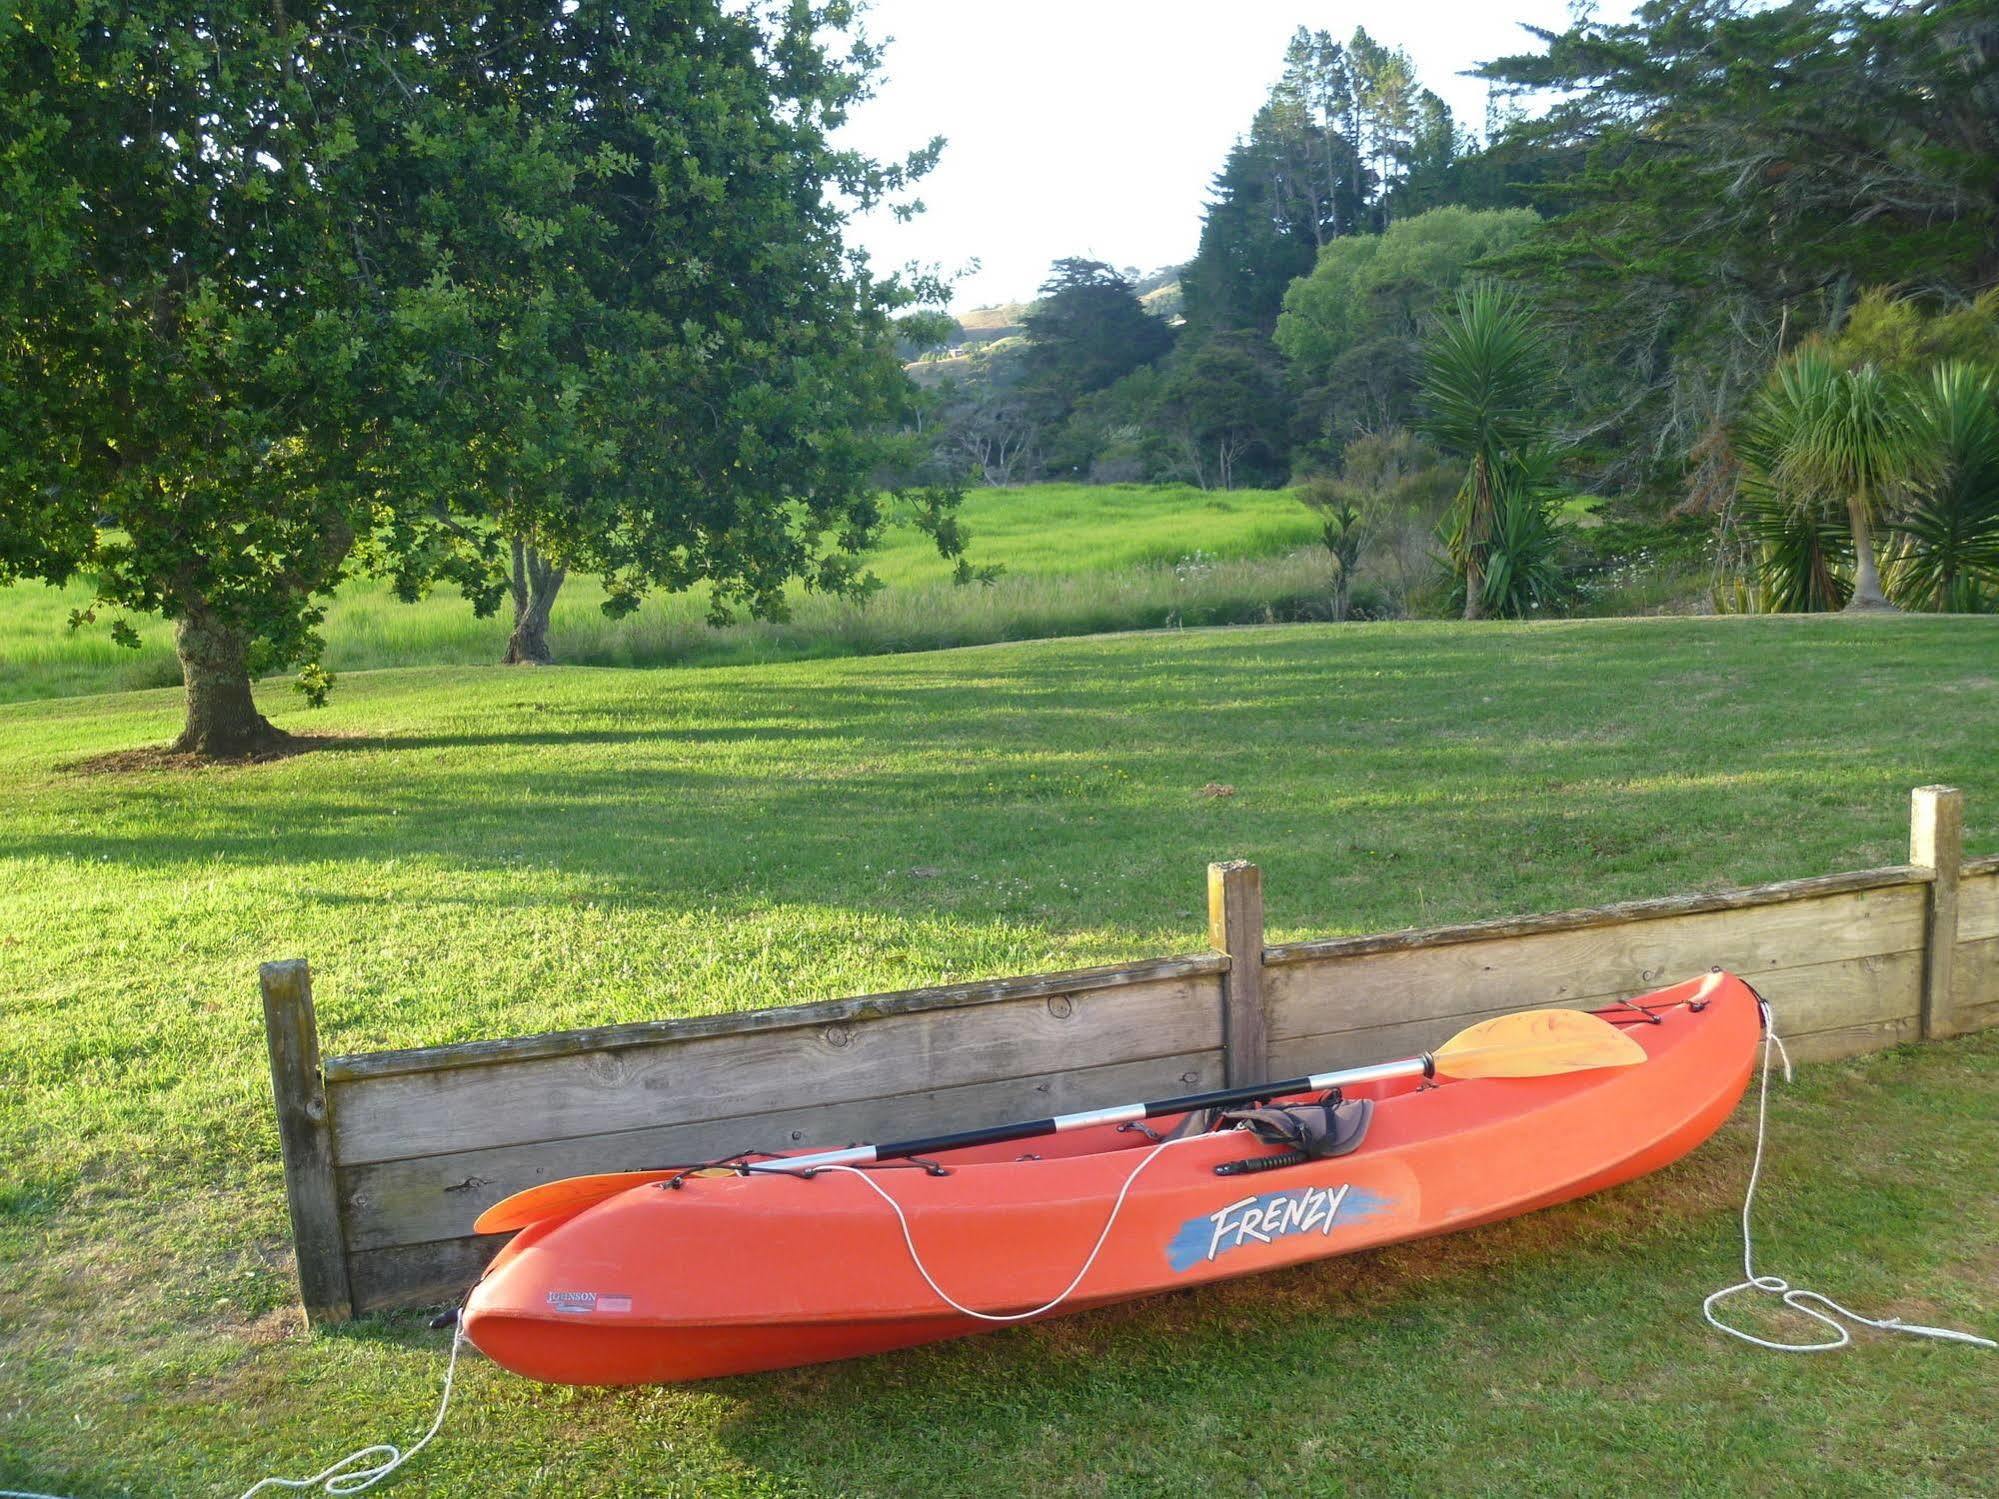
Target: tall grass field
<point>1076,559</point>
<point>483,851</point>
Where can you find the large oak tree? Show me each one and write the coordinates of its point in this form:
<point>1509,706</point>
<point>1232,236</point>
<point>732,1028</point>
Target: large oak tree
<point>428,288</point>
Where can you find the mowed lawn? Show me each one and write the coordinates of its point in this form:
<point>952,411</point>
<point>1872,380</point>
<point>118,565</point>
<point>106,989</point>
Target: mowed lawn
<point>1075,558</point>
<point>485,852</point>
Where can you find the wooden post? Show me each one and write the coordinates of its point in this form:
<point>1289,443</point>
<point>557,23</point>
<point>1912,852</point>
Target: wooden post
<point>292,1032</point>
<point>1936,841</point>
<point>1235,926</point>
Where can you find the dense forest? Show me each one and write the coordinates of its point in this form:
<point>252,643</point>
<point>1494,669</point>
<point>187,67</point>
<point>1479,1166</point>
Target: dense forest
<point>1728,268</point>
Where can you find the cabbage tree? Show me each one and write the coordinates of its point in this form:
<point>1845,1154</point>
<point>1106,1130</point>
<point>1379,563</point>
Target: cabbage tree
<point>1823,441</point>
<point>1946,532</point>
<point>1488,388</point>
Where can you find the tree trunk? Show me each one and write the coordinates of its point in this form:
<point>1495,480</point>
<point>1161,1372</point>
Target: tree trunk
<point>1867,594</point>
<point>222,718</point>
<point>1196,464</point>
<point>1342,595</point>
<point>534,582</point>
<point>1478,528</point>
<point>1474,590</point>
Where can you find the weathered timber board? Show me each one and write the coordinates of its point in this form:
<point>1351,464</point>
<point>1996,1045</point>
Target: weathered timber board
<point>1337,994</point>
<point>1978,908</point>
<point>437,1197</point>
<point>406,1115</point>
<point>1974,983</point>
<point>1854,1040</point>
<point>292,1039</point>
<point>1235,927</point>
<point>418,1274</point>
<point>779,1017</point>
<point>1880,991</point>
<point>1740,899</point>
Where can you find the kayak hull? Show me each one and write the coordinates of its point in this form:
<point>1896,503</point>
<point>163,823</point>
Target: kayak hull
<point>727,1275</point>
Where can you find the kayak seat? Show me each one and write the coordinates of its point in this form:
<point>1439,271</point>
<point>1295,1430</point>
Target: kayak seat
<point>1319,1131</point>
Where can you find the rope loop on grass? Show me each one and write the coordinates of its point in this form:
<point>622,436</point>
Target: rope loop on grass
<point>363,1468</point>
<point>1796,1297</point>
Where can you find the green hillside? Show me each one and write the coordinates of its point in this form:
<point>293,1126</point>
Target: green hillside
<point>1001,320</point>
<point>485,851</point>
<point>1077,559</point>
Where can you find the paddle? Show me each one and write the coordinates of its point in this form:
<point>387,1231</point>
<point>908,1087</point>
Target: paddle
<point>1534,1043</point>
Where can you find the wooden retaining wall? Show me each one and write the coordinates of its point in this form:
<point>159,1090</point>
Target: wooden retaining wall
<point>389,1156</point>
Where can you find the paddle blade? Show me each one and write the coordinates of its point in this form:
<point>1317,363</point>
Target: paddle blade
<point>553,1199</point>
<point>1536,1043</point>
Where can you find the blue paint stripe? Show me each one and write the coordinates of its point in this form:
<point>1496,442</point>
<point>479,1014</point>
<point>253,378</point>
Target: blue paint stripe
<point>1297,1210</point>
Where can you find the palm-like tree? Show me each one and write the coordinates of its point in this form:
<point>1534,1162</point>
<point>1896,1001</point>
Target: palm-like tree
<point>1822,437</point>
<point>1487,389</point>
<point>1343,527</point>
<point>1946,536</point>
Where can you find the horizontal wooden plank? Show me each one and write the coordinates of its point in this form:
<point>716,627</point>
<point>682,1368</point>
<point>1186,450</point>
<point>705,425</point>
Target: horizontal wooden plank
<point>1884,990</point>
<point>781,1017</point>
<point>437,1197</point>
<point>1982,865</point>
<point>1870,991</point>
<point>1974,983</point>
<point>1334,994</point>
<point>685,1080</point>
<point>1978,908</point>
<point>436,1274</point>
<point>1854,1040</point>
<point>1745,898</point>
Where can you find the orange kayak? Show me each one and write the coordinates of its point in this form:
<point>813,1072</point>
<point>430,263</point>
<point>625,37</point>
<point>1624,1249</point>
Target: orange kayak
<point>728,1274</point>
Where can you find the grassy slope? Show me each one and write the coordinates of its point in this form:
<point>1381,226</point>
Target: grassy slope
<point>499,852</point>
<point>1077,558</point>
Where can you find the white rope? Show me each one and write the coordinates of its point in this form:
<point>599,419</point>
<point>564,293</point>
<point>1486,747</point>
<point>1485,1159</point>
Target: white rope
<point>374,1463</point>
<point>949,1300</point>
<point>343,1477</point>
<point>1774,1285</point>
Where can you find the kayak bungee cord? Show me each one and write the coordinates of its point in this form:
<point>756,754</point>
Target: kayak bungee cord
<point>1063,1295</point>
<point>1775,1285</point>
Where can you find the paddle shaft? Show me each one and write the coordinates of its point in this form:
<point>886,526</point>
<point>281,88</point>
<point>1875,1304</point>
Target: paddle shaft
<point>1130,1113</point>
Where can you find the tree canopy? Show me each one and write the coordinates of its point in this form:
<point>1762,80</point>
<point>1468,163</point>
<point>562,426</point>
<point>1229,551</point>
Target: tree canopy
<point>199,383</point>
<point>1088,331</point>
<point>1740,172</point>
<point>1352,330</point>
<point>416,287</point>
<point>1343,128</point>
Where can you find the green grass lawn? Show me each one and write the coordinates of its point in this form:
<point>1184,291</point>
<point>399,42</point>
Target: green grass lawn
<point>491,851</point>
<point>1077,559</point>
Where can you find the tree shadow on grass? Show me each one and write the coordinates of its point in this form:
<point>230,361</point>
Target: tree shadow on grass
<point>153,759</point>
<point>158,759</point>
<point>1371,803</point>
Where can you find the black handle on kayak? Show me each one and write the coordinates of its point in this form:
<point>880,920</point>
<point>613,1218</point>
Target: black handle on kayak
<point>1256,1163</point>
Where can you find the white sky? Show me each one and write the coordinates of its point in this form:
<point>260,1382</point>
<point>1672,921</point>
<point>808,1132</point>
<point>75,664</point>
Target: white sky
<point>1092,127</point>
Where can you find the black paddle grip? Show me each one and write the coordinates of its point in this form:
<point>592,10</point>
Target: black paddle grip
<point>1256,1163</point>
